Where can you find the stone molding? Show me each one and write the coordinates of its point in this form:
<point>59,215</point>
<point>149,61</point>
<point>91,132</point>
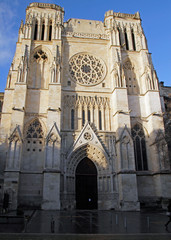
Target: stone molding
<point>123,15</point>
<point>45,5</point>
<point>85,35</point>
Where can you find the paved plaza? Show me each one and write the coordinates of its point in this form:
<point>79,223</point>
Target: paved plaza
<point>87,225</point>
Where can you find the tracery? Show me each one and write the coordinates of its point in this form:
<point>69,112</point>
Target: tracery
<point>86,69</point>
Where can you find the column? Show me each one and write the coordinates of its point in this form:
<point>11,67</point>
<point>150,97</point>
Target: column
<point>38,30</point>
<point>86,113</point>
<point>91,114</point>
<point>103,117</point>
<point>46,30</point>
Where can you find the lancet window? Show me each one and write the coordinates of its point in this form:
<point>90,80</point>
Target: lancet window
<point>100,120</point>
<point>119,37</point>
<point>35,30</point>
<point>50,31</point>
<point>72,119</point>
<point>83,117</point>
<point>43,30</point>
<point>89,115</point>
<point>139,148</point>
<point>126,40</point>
<point>133,40</point>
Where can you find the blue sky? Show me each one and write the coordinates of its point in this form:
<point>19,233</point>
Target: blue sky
<point>155,15</point>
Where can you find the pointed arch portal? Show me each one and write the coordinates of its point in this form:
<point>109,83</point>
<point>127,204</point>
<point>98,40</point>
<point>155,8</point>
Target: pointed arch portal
<point>86,185</point>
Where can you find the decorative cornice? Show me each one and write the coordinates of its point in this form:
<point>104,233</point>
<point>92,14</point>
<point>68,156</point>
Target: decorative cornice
<point>45,5</point>
<point>126,15</point>
<point>74,100</point>
<point>85,35</point>
<point>123,15</point>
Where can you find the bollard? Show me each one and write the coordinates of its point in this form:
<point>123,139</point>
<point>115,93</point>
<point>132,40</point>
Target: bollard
<point>125,223</point>
<point>90,222</point>
<point>148,222</point>
<point>111,218</point>
<point>25,223</point>
<point>52,225</point>
<point>116,218</point>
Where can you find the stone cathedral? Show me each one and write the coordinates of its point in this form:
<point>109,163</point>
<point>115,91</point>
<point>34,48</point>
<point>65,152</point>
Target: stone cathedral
<point>82,121</point>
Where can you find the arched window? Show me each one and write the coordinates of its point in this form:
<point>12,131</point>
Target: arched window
<point>133,40</point>
<point>34,130</point>
<point>34,138</point>
<point>100,120</point>
<point>35,30</point>
<point>72,119</point>
<point>119,37</point>
<point>126,39</point>
<point>139,148</point>
<point>83,117</point>
<point>43,31</point>
<point>50,31</point>
<point>89,115</point>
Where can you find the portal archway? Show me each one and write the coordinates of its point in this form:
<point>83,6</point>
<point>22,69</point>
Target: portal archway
<point>86,185</point>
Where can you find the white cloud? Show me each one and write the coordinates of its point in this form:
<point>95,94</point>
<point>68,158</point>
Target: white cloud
<point>8,33</point>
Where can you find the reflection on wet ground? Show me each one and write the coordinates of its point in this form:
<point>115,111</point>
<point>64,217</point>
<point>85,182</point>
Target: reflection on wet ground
<point>85,225</point>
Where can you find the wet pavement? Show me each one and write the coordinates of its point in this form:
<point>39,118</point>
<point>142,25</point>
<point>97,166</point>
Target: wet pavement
<point>97,222</point>
<point>85,225</point>
<point>85,237</point>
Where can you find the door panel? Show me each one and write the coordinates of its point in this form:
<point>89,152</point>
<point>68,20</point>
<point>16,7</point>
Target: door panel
<point>86,185</point>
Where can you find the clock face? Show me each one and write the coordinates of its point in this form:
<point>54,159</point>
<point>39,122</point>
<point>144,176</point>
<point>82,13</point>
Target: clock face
<point>87,69</point>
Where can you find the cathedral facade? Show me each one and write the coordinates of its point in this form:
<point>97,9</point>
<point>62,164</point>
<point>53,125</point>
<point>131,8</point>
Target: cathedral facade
<point>82,122</point>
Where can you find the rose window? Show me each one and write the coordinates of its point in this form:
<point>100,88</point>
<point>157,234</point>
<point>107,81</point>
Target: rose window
<point>87,69</point>
<point>87,136</point>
